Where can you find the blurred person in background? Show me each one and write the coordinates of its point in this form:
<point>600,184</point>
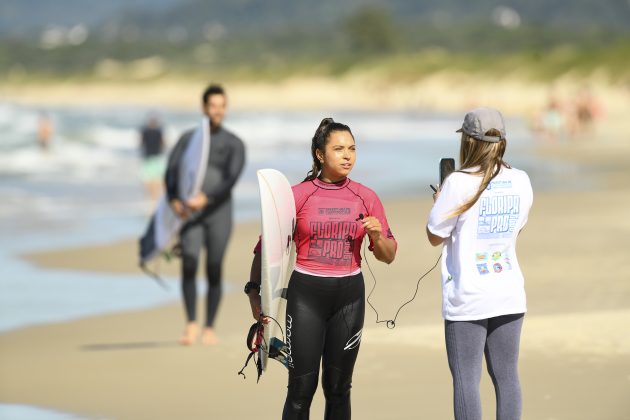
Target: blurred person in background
<point>211,224</point>
<point>477,216</point>
<point>553,122</point>
<point>586,111</point>
<point>152,150</point>
<point>44,131</point>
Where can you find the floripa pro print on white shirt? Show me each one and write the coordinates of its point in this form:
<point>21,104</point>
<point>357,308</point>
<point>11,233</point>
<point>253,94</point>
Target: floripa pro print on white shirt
<point>481,277</point>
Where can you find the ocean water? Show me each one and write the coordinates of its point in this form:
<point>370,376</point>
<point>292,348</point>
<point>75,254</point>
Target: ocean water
<point>91,170</point>
<point>25,412</point>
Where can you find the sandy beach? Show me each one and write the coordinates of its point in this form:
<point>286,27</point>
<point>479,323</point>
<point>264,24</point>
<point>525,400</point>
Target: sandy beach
<point>360,90</point>
<point>575,349</point>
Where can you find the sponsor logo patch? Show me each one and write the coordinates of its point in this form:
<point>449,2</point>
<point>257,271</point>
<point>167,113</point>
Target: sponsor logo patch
<point>483,268</point>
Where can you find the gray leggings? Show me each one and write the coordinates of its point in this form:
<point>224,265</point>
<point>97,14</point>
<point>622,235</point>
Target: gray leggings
<point>466,342</point>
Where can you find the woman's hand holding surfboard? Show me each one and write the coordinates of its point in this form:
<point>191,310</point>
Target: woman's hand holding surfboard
<point>256,305</point>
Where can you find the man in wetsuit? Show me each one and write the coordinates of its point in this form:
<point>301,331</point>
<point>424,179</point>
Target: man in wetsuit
<point>208,215</point>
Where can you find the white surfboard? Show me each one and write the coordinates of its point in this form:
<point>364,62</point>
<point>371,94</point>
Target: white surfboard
<point>165,224</point>
<point>278,248</point>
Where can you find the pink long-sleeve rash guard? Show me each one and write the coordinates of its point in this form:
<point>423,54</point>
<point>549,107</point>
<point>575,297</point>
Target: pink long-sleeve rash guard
<point>329,231</point>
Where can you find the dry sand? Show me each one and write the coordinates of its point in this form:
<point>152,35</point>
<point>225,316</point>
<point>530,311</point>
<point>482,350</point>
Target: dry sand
<point>366,90</point>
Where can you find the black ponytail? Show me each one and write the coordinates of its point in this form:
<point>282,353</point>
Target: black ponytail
<point>325,128</point>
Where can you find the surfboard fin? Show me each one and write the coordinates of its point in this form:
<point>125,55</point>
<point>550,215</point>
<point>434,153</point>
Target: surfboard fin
<point>279,351</point>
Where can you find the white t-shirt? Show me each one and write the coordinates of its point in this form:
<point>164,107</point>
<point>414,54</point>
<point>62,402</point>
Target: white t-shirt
<point>481,277</point>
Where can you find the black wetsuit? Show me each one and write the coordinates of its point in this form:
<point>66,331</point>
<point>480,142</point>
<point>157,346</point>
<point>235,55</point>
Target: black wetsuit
<point>325,296</point>
<point>324,323</point>
<point>212,225</point>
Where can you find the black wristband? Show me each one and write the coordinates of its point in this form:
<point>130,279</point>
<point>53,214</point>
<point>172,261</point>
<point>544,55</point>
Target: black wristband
<point>250,285</point>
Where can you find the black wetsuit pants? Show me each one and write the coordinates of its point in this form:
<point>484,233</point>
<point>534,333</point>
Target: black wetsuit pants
<point>324,325</point>
<point>212,231</point>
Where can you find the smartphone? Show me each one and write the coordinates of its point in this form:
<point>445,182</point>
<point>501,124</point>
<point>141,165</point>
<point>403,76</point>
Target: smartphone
<point>447,165</point>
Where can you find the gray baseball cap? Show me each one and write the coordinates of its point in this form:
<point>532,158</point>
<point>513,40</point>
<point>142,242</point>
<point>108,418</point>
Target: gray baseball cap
<point>478,121</point>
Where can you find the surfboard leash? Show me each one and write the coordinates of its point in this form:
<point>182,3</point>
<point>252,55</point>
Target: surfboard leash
<point>391,323</point>
<point>256,343</point>
<point>155,276</point>
<point>174,252</point>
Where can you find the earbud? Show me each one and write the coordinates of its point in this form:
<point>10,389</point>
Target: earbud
<point>361,216</point>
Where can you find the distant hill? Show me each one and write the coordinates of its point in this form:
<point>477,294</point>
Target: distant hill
<point>279,38</point>
<point>28,17</point>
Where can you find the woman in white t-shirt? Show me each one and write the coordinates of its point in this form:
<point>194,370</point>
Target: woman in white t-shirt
<point>478,213</point>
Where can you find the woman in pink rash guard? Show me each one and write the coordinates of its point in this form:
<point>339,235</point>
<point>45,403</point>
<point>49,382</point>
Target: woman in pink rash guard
<point>326,294</point>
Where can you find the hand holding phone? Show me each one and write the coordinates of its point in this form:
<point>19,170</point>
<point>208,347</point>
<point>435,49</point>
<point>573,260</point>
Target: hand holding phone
<point>447,165</point>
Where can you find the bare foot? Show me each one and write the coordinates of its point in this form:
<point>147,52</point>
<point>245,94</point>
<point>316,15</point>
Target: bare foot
<point>190,334</point>
<point>208,337</point>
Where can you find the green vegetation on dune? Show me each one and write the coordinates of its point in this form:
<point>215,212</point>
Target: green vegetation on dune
<point>370,41</point>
